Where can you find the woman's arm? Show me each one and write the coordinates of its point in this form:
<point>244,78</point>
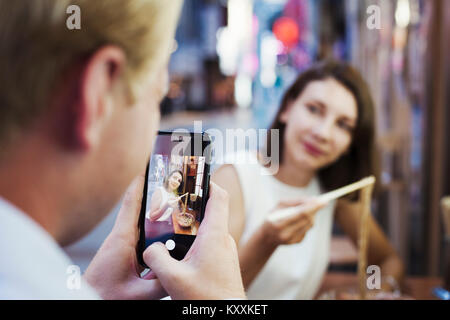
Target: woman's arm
<point>253,255</point>
<point>380,251</point>
<point>227,178</point>
<point>155,202</point>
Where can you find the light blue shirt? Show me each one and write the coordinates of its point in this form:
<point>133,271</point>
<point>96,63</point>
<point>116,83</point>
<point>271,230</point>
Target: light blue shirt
<point>32,265</point>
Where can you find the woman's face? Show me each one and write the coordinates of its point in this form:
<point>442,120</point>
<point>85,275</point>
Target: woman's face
<point>319,124</point>
<point>174,181</point>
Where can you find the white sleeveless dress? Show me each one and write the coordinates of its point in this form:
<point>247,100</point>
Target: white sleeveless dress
<point>293,271</point>
<point>165,197</point>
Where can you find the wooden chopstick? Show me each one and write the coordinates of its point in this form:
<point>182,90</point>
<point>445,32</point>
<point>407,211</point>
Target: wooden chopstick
<point>326,197</point>
<point>329,196</point>
<point>445,204</point>
<point>179,198</point>
<point>363,242</point>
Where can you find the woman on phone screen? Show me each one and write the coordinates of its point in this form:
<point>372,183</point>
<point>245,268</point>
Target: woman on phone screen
<point>165,198</point>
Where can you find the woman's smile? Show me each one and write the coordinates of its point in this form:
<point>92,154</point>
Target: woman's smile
<point>174,184</point>
<point>312,149</point>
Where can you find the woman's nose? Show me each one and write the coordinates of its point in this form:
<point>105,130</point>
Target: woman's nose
<point>324,130</point>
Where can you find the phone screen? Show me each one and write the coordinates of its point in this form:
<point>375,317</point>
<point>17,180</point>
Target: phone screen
<point>175,192</point>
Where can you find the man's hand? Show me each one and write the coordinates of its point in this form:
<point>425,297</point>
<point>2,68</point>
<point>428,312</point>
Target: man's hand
<point>210,269</point>
<point>114,271</point>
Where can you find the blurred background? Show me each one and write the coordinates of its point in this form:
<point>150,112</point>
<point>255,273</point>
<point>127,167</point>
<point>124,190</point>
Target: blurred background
<point>233,59</point>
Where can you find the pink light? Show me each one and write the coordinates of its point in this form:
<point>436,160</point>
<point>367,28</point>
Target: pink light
<point>287,31</point>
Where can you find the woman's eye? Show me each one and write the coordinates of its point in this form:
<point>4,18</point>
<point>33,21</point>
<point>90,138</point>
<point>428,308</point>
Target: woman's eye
<point>313,109</point>
<point>344,125</point>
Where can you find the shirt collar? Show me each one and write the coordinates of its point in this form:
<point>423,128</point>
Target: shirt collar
<point>36,267</point>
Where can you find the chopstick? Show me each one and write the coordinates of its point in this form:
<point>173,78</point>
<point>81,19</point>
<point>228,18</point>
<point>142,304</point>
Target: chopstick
<point>179,198</point>
<point>326,197</point>
<point>329,196</point>
<point>445,204</point>
<point>363,241</point>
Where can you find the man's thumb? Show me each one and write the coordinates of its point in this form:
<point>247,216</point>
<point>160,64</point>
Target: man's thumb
<point>159,261</point>
<point>128,217</point>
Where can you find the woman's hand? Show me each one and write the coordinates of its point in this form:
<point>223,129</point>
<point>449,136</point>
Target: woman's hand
<point>173,202</point>
<point>255,253</point>
<point>292,229</point>
<point>155,215</point>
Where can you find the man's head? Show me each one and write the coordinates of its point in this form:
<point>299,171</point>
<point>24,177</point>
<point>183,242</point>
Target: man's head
<point>82,106</point>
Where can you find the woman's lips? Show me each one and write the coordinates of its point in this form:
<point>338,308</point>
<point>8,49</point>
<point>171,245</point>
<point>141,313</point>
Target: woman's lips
<point>313,150</point>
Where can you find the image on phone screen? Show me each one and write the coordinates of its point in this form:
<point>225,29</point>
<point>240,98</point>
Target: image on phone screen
<point>174,195</point>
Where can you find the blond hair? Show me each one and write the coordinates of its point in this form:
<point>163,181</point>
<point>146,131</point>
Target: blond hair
<point>36,47</point>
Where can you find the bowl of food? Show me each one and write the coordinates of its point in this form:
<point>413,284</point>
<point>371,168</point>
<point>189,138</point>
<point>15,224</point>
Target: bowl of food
<point>185,219</point>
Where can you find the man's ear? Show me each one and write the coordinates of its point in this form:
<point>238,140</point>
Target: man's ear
<point>100,76</point>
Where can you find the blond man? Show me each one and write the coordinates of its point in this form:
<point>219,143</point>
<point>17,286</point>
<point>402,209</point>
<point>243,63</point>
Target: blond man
<point>79,109</point>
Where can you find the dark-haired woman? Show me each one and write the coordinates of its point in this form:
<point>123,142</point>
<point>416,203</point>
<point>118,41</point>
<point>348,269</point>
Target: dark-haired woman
<point>164,200</point>
<point>326,129</point>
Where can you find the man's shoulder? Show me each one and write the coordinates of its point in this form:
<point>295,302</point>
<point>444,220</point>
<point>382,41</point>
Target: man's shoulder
<point>26,289</point>
<point>32,264</point>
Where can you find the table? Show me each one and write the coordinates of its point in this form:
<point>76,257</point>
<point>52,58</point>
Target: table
<point>417,287</point>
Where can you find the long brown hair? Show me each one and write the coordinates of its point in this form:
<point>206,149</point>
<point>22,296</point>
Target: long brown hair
<point>360,159</point>
<point>166,180</point>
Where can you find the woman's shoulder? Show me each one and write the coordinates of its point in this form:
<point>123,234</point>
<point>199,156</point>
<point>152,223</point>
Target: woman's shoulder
<point>245,163</point>
<point>160,192</point>
<point>160,189</point>
<point>241,171</point>
<point>226,176</point>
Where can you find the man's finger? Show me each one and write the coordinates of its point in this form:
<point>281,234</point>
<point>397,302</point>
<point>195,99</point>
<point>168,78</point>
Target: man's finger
<point>159,261</point>
<point>216,212</point>
<point>128,217</point>
<point>147,289</point>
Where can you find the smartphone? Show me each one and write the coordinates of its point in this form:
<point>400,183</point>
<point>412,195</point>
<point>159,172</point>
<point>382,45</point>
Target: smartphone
<point>175,192</point>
